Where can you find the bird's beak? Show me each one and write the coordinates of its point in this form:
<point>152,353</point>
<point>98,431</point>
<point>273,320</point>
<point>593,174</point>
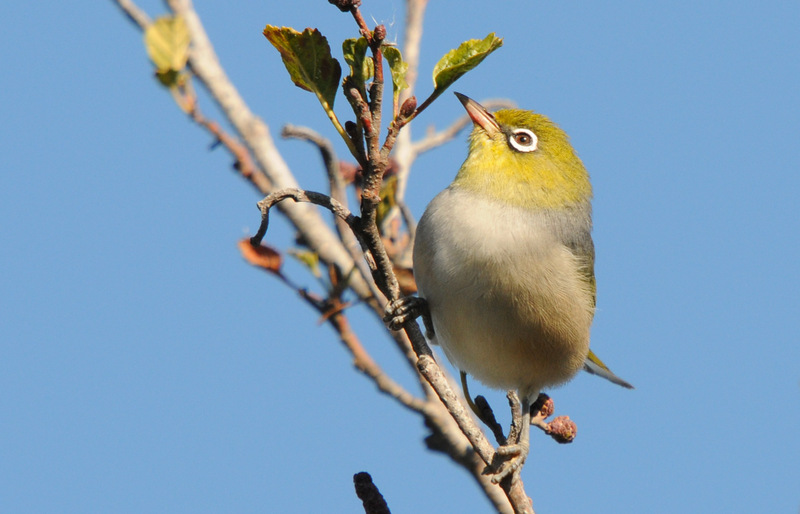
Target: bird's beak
<point>480,116</point>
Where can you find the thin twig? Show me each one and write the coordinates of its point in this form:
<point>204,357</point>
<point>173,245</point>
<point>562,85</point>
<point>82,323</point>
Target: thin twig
<point>328,154</point>
<point>362,25</point>
<point>384,275</point>
<point>369,113</point>
<point>339,194</point>
<point>244,161</point>
<point>298,195</point>
<point>515,491</point>
<point>255,133</point>
<point>134,13</point>
<point>431,371</point>
<point>364,363</point>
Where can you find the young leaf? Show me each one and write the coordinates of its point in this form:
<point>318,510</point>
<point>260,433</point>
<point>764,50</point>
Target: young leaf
<point>171,78</point>
<point>457,62</point>
<point>308,60</point>
<point>398,67</point>
<point>309,259</point>
<point>355,55</point>
<point>167,43</point>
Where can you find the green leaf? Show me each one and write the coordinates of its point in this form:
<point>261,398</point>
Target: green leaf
<point>308,258</point>
<point>355,55</point>
<point>457,62</point>
<point>398,68</point>
<point>308,60</point>
<point>167,43</point>
<point>171,78</point>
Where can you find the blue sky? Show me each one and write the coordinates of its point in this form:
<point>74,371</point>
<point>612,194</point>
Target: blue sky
<point>146,368</point>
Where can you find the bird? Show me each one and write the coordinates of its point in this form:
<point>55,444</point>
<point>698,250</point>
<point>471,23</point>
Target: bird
<point>503,259</point>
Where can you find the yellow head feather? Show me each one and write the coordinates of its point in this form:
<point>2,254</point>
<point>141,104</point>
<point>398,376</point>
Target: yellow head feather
<point>550,177</point>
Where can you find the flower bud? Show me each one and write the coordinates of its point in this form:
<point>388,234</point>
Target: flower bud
<point>380,33</point>
<point>563,429</point>
<point>408,107</point>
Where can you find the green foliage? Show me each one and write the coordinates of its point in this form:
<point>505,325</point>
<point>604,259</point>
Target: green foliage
<point>167,43</point>
<point>398,68</point>
<point>308,259</point>
<point>308,60</point>
<point>456,63</point>
<point>355,55</point>
<point>307,57</point>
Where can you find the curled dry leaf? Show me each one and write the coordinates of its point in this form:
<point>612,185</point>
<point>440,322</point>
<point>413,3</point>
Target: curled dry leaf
<point>261,256</point>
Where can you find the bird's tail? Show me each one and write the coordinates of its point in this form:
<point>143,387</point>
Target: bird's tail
<point>596,367</point>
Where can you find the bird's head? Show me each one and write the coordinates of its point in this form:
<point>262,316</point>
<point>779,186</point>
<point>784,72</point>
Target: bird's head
<point>522,158</point>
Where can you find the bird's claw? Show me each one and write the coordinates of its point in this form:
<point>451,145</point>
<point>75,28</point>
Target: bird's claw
<point>513,457</point>
<point>399,311</point>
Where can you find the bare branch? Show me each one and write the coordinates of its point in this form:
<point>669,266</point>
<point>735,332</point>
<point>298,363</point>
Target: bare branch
<point>298,195</point>
<point>255,133</point>
<point>329,158</point>
<point>449,420</point>
<point>403,155</point>
<point>369,494</point>
<point>338,193</point>
<point>134,13</point>
<point>431,371</point>
<point>364,363</point>
<point>244,161</point>
<point>415,14</point>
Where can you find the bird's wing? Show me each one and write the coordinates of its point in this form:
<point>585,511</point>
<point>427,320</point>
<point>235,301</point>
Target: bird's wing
<point>583,247</point>
<point>595,366</point>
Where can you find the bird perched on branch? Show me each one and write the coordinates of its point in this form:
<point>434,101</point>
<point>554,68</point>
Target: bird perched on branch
<point>504,262</point>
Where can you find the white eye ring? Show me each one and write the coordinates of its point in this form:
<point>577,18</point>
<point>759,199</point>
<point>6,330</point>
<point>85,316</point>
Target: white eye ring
<point>523,140</point>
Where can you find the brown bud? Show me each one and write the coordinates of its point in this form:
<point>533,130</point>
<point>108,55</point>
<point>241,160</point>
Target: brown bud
<point>408,107</point>
<point>345,5</point>
<point>543,407</point>
<point>547,408</point>
<point>380,33</point>
<point>563,429</point>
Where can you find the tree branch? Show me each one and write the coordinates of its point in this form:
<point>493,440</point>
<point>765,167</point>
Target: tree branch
<point>364,363</point>
<point>255,133</point>
<point>244,161</point>
<point>454,430</point>
<point>339,194</point>
<point>136,15</point>
<point>299,195</point>
<point>369,494</point>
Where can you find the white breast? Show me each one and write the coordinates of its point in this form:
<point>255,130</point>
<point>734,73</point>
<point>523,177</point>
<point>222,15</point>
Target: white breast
<point>507,299</point>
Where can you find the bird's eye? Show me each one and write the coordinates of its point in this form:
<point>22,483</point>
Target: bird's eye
<point>523,140</point>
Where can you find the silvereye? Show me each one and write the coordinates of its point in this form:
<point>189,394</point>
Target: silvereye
<point>504,259</point>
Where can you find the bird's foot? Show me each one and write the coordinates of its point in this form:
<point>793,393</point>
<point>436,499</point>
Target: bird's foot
<point>405,309</point>
<point>512,457</point>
